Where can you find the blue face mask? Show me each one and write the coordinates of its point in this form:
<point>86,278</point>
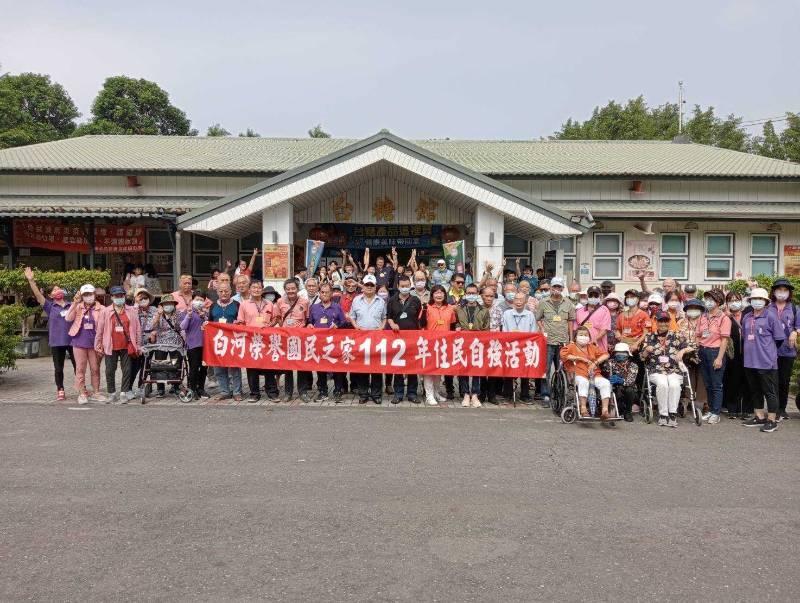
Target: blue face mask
<point>510,296</point>
<point>118,301</point>
<point>472,298</point>
<point>620,357</point>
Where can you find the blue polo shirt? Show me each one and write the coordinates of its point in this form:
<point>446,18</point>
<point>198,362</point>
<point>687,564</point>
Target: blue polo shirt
<point>368,314</point>
<point>325,318</point>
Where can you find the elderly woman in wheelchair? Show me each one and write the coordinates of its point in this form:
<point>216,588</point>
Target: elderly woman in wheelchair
<point>663,355</point>
<point>583,359</point>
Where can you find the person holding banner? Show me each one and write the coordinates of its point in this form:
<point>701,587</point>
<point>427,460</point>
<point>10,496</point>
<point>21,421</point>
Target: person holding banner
<point>226,310</point>
<point>403,314</point>
<point>368,313</point>
<point>258,312</point>
<point>438,316</point>
<point>518,319</point>
<point>291,311</point>
<point>311,291</point>
<point>471,316</point>
<point>327,315</point>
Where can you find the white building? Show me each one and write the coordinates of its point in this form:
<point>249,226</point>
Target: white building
<point>697,213</point>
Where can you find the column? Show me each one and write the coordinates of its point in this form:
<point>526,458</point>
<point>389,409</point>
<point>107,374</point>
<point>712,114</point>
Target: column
<point>489,233</point>
<point>277,227</point>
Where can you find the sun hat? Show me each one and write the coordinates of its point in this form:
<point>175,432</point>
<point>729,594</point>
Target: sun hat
<point>622,347</point>
<point>613,297</point>
<point>167,299</point>
<point>143,290</point>
<point>759,293</point>
<point>693,303</point>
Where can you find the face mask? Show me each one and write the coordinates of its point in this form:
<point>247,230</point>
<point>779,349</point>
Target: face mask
<point>419,284</point>
<point>546,293</point>
<point>593,301</point>
<point>582,301</point>
<point>620,357</point>
<point>405,290</point>
<point>781,295</point>
<point>270,297</point>
<point>612,305</point>
<point>88,299</point>
<point>735,306</point>
<point>472,298</point>
<point>118,301</point>
<point>573,296</point>
<point>197,304</point>
<point>143,303</point>
<point>510,296</point>
<point>693,313</point>
<point>643,305</point>
<point>168,308</point>
<point>630,302</point>
<point>538,295</point>
<point>673,304</point>
<point>758,304</point>
<point>582,340</point>
<point>383,295</point>
<point>58,295</point>
<point>710,304</point>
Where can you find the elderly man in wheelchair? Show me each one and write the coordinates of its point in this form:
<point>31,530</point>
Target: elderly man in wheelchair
<point>583,359</point>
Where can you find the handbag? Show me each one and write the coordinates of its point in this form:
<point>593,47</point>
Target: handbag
<point>132,352</point>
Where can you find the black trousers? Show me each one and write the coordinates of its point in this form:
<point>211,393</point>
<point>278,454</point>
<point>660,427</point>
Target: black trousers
<point>735,390</point>
<point>197,372</point>
<point>763,384</point>
<point>305,379</point>
<point>508,388</point>
<point>137,364</point>
<point>338,383</point>
<point>254,382</point>
<point>60,354</point>
<point>626,397</point>
<point>785,366</point>
<point>161,355</point>
<point>118,357</point>
<point>369,385</point>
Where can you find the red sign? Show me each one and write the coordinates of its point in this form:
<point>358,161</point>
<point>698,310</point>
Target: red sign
<point>49,234</point>
<point>118,239</point>
<point>479,353</point>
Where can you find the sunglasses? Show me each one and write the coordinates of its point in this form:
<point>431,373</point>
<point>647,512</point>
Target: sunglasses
<point>369,285</point>
<point>459,282</point>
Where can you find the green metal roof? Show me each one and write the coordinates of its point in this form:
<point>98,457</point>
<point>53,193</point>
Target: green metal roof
<point>265,156</point>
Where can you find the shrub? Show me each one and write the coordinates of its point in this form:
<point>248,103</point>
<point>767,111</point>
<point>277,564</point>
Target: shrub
<point>11,316</point>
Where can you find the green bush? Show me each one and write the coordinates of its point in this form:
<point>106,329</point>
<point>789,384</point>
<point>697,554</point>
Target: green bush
<point>11,317</point>
<point>766,281</point>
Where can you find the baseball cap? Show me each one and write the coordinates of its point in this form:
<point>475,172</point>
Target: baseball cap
<point>690,288</point>
<point>116,290</point>
<point>440,262</point>
<point>369,279</point>
<point>87,289</point>
<point>655,298</point>
<point>662,317</point>
<point>557,281</point>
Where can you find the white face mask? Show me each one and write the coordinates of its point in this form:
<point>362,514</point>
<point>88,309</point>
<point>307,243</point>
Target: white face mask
<point>693,313</point>
<point>88,299</point>
<point>168,308</point>
<point>735,306</point>
<point>197,304</point>
<point>631,301</point>
<point>419,284</point>
<point>781,295</point>
<point>144,303</point>
<point>404,290</point>
<point>758,304</point>
<point>672,305</point>
<point>593,301</point>
<point>710,304</point>
<point>582,340</point>
<point>612,305</point>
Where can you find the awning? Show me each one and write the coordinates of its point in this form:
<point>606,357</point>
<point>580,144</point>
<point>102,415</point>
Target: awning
<point>383,154</point>
<point>55,206</point>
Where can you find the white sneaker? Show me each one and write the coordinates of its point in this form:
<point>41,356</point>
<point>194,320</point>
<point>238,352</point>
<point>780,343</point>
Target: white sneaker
<point>662,421</point>
<point>706,416</point>
<point>127,396</point>
<point>713,419</point>
<point>439,397</point>
<point>476,403</point>
<point>466,401</point>
<point>673,423</point>
<point>83,399</point>
<point>431,401</point>
<point>98,397</point>
<point>113,397</point>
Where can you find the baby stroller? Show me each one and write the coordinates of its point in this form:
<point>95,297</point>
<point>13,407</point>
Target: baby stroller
<point>170,369</point>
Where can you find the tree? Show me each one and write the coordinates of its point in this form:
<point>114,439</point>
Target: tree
<point>217,130</point>
<point>250,133</point>
<point>33,109</point>
<point>790,137</point>
<point>318,132</point>
<point>130,106</point>
<point>769,143</point>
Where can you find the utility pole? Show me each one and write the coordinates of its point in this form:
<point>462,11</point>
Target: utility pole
<point>681,102</point>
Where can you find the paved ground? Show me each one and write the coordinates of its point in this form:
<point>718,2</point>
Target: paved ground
<point>373,503</point>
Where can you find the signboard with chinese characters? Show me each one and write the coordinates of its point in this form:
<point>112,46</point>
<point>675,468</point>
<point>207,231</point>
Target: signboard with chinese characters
<point>482,353</point>
<point>50,234</point>
<point>276,262</point>
<point>791,260</point>
<point>118,239</point>
<point>385,236</point>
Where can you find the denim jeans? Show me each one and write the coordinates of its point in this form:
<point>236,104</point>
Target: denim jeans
<point>405,384</point>
<point>464,385</point>
<point>229,380</point>
<point>553,362</point>
<point>712,377</point>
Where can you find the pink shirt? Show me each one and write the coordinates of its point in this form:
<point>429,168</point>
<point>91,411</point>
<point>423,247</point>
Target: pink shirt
<point>107,324</point>
<point>711,329</point>
<point>599,321</point>
<point>298,315</point>
<point>255,314</point>
<point>181,305</point>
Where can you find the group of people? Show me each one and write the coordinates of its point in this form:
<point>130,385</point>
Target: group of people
<point>741,347</point>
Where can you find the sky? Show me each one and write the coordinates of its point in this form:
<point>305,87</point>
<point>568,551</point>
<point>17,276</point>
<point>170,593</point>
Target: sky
<point>422,69</point>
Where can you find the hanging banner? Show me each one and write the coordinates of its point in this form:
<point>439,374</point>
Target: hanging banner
<point>314,251</point>
<point>276,262</point>
<point>454,256</point>
<point>50,234</point>
<point>480,353</point>
<point>118,239</point>
<point>640,258</point>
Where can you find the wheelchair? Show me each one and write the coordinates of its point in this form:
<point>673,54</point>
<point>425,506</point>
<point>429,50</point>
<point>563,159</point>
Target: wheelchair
<point>687,394</point>
<point>565,403</point>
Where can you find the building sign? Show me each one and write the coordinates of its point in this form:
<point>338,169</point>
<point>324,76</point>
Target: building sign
<point>427,208</point>
<point>482,353</point>
<point>791,260</point>
<point>276,262</point>
<point>380,236</point>
<point>118,239</point>
<point>640,258</point>
<point>50,234</point>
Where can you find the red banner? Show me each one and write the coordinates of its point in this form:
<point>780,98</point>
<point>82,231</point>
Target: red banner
<point>118,239</point>
<point>479,353</point>
<point>50,234</point>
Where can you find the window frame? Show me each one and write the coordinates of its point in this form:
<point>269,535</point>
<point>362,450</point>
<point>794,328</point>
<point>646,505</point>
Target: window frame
<point>608,255</point>
<point>674,256</point>
<point>730,257</point>
<point>763,257</point>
